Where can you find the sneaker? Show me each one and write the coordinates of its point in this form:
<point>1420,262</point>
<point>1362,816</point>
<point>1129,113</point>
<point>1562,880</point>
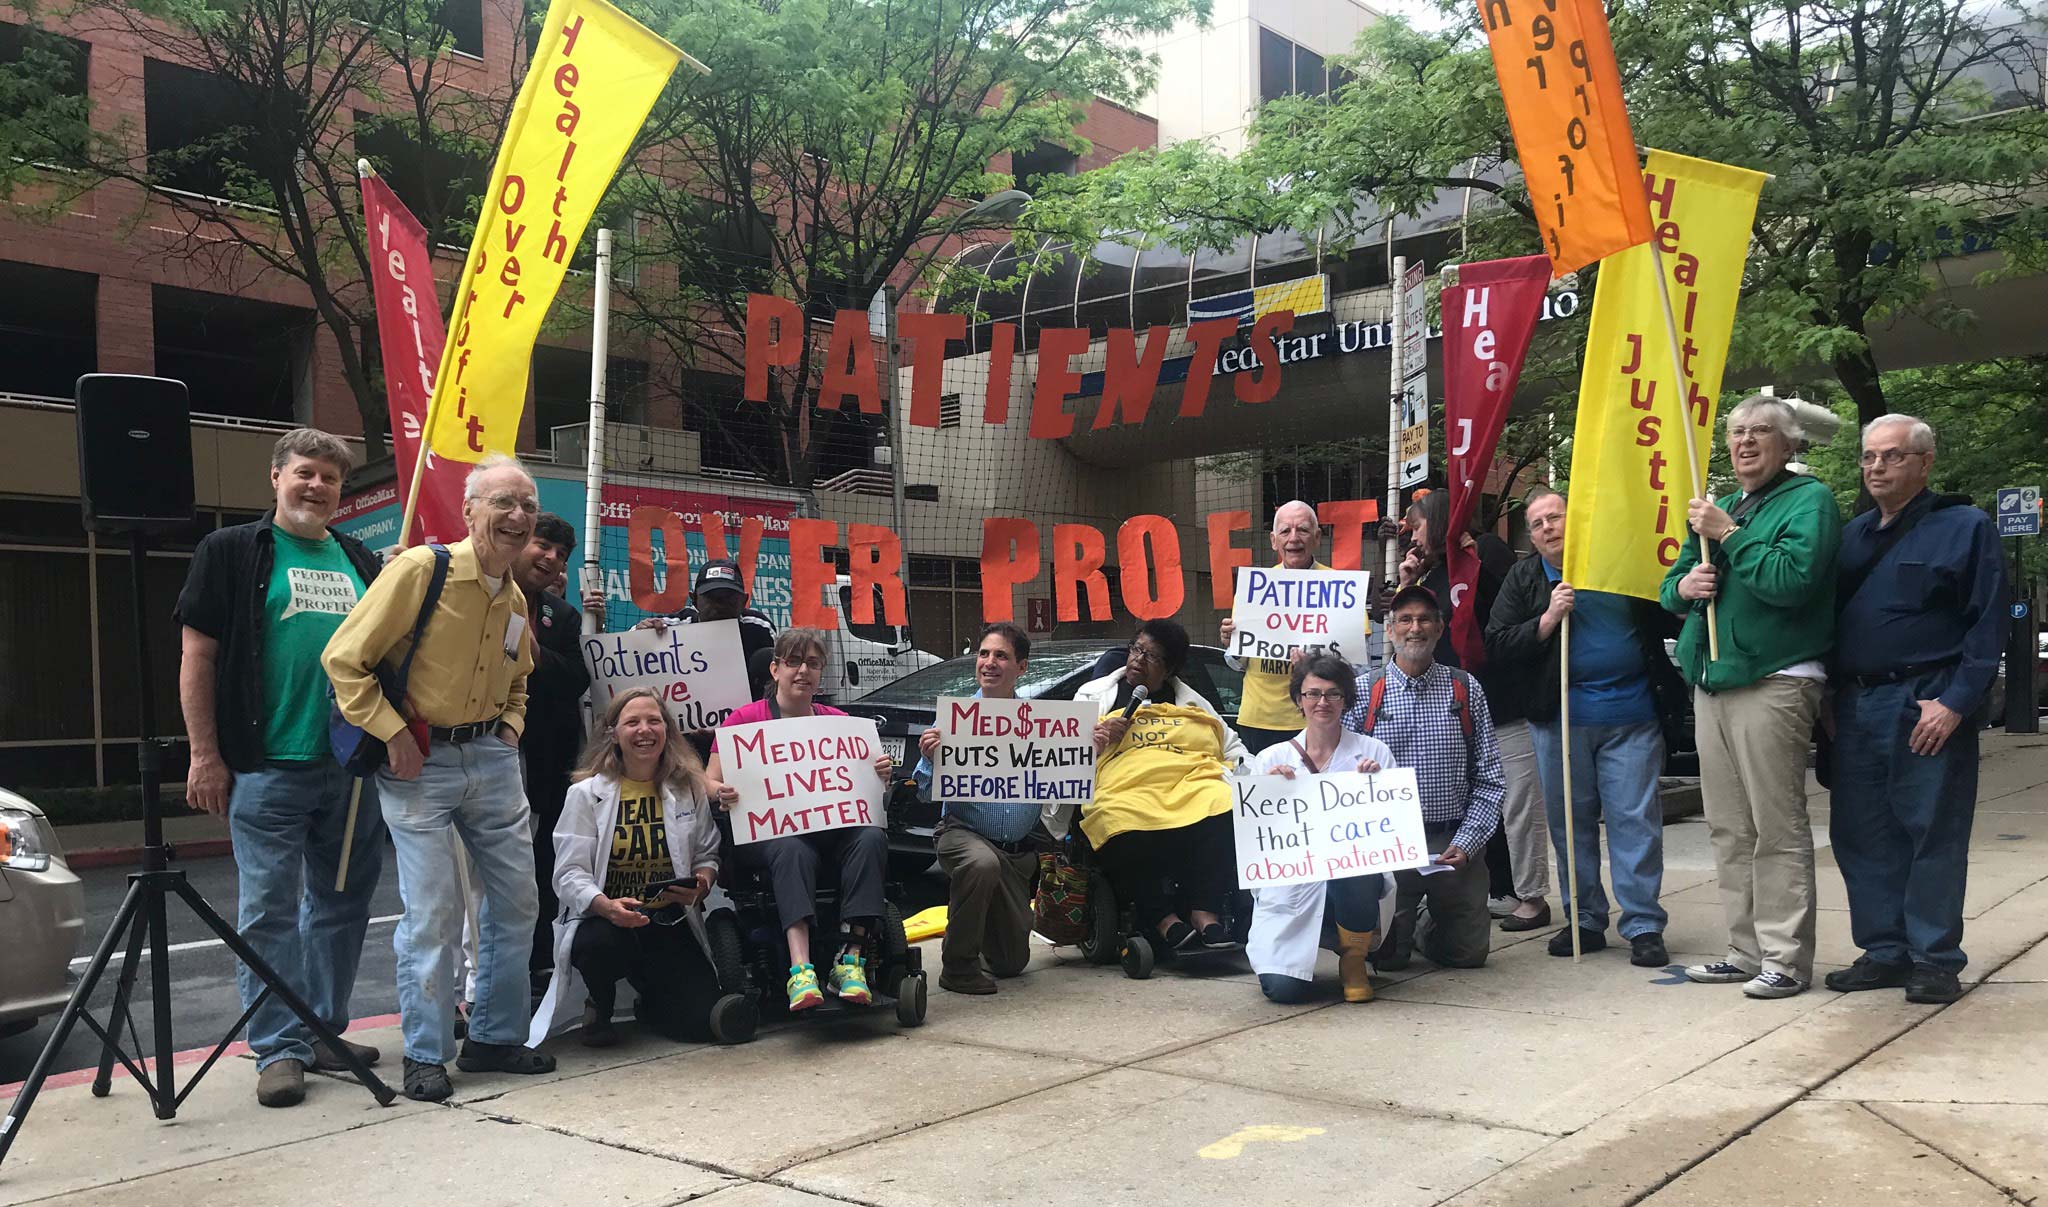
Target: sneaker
<point>850,981</point>
<point>1647,951</point>
<point>1501,907</point>
<point>327,1060</point>
<point>283,1083</point>
<point>426,1082</point>
<point>1866,974</point>
<point>1177,936</point>
<point>1774,984</point>
<point>976,982</point>
<point>803,987</point>
<point>1590,941</point>
<point>1931,986</point>
<point>1721,972</point>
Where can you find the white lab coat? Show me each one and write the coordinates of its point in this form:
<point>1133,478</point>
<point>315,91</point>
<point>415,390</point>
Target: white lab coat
<point>583,851</point>
<point>1287,920</point>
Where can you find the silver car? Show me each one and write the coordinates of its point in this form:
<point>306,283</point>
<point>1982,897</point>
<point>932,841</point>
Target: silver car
<point>42,915</point>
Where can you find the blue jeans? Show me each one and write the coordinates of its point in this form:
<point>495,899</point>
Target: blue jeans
<point>1901,825</point>
<point>1614,777</point>
<point>286,821</point>
<point>475,790</point>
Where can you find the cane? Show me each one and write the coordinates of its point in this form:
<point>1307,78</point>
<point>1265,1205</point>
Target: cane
<point>348,835</point>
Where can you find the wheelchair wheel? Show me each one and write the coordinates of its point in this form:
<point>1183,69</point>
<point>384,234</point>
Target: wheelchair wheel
<point>892,957</point>
<point>728,953</point>
<point>733,1019</point>
<point>1102,941</point>
<point>911,999</point>
<point>1137,957</point>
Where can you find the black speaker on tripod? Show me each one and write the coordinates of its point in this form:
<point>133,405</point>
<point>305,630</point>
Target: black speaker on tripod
<point>135,478</point>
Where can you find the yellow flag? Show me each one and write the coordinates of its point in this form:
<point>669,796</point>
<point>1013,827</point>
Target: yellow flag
<point>1629,484</point>
<point>595,74</point>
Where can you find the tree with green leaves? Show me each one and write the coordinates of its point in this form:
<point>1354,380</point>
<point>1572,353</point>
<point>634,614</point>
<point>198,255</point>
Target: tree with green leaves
<point>832,145</point>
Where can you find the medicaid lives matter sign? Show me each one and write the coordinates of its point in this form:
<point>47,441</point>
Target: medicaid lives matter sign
<point>1321,827</point>
<point>1279,610</point>
<point>1015,751</point>
<point>698,670</point>
<point>802,775</point>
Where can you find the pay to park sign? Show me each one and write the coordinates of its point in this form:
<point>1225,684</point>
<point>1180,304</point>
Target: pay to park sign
<point>699,670</point>
<point>1320,827</point>
<point>1015,751</point>
<point>802,775</point>
<point>1277,610</point>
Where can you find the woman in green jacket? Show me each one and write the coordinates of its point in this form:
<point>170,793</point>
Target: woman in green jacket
<point>1772,580</point>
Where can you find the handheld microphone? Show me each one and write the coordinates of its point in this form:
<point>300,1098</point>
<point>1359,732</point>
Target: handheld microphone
<point>1138,697</point>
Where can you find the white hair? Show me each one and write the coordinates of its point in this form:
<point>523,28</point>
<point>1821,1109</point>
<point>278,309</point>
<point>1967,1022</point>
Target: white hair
<point>1783,417</point>
<point>495,461</point>
<point>1293,503</point>
<point>1919,436</point>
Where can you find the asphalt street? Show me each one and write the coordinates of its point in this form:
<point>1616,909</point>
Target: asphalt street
<point>204,1001</point>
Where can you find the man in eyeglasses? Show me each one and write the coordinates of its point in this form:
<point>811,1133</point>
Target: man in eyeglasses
<point>1921,619</point>
<point>453,764</point>
<point>1267,714</point>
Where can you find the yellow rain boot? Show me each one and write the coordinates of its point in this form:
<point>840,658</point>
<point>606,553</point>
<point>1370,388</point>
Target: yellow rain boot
<point>1353,946</point>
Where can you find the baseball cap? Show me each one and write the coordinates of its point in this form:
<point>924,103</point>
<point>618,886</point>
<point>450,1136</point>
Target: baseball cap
<point>1414,593</point>
<point>721,575</point>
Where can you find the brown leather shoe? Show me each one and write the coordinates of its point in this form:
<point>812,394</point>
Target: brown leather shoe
<point>1353,947</point>
<point>977,983</point>
<point>281,1083</point>
<point>327,1060</point>
<point>1535,921</point>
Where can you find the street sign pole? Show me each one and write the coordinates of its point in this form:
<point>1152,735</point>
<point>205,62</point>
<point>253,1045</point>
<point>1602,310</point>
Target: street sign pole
<point>2022,653</point>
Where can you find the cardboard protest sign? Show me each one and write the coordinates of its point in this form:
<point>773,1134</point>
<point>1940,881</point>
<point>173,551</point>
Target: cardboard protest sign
<point>699,670</point>
<point>1276,610</point>
<point>1321,827</point>
<point>1015,751</point>
<point>802,775</point>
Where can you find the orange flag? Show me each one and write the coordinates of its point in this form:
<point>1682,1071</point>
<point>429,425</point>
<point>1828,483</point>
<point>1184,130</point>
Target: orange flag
<point>1556,69</point>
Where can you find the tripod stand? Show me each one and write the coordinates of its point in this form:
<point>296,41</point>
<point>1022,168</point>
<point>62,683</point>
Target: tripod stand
<point>144,918</point>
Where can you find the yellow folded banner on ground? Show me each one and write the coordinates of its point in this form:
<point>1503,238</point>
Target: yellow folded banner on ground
<point>1629,480</point>
<point>595,74</point>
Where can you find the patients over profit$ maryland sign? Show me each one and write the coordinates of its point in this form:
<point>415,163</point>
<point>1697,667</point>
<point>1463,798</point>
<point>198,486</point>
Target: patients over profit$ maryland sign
<point>1013,553</point>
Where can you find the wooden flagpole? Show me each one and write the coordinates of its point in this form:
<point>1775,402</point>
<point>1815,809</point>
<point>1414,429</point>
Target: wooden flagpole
<point>1564,726</point>
<point>1692,456</point>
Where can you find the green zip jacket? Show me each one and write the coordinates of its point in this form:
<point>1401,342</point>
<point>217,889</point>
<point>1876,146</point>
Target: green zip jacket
<point>1776,604</point>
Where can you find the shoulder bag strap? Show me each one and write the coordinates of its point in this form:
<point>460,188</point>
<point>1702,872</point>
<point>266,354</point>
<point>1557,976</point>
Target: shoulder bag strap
<point>1306,761</point>
<point>419,624</point>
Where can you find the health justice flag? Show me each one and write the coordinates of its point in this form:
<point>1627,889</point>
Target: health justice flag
<point>1625,521</point>
<point>1555,64</point>
<point>1489,316</point>
<point>410,336</point>
<point>595,74</point>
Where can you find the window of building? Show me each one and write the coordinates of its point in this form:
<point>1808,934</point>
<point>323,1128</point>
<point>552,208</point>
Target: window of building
<point>1286,69</point>
<point>195,127</point>
<point>439,182</point>
<point>236,356</point>
<point>464,20</point>
<point>1031,168</point>
<point>47,329</point>
<point>42,94</point>
<point>561,390</point>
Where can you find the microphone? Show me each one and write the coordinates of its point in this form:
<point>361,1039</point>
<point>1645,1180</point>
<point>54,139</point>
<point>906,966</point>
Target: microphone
<point>1138,697</point>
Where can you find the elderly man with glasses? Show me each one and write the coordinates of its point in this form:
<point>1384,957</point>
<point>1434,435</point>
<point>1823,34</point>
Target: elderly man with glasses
<point>1772,576</point>
<point>1920,608</point>
<point>453,763</point>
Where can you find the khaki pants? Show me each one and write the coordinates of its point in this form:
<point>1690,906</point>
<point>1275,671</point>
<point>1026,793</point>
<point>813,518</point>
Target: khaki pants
<point>1523,817</point>
<point>1753,743</point>
<point>988,912</point>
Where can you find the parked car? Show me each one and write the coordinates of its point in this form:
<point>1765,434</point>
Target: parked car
<point>1994,700</point>
<point>42,915</point>
<point>904,709</point>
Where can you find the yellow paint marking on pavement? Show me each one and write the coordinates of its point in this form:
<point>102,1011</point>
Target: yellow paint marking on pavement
<point>1230,1147</point>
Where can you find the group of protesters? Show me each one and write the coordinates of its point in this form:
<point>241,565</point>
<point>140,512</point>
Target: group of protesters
<point>539,871</point>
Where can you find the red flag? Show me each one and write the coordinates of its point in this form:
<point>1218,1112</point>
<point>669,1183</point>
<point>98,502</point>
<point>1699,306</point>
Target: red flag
<point>1488,319</point>
<point>411,334</point>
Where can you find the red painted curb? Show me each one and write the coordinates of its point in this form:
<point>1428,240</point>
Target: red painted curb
<point>189,1056</point>
<point>106,857</point>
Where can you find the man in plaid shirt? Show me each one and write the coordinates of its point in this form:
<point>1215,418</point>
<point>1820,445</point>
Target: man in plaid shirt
<point>1442,907</point>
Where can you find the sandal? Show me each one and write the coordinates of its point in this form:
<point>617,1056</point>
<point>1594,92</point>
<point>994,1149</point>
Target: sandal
<point>426,1082</point>
<point>480,1057</point>
<point>1177,936</point>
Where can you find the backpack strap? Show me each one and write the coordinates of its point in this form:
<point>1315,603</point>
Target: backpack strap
<point>1461,703</point>
<point>419,623</point>
<point>1375,697</point>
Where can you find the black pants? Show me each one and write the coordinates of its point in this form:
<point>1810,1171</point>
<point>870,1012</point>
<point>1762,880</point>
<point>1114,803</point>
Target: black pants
<point>1500,869</point>
<point>665,966</point>
<point>792,863</point>
<point>1145,866</point>
<point>1256,740</point>
<point>545,792</point>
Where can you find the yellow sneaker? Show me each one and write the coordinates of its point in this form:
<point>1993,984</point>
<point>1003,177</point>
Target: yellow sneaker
<point>850,981</point>
<point>803,987</point>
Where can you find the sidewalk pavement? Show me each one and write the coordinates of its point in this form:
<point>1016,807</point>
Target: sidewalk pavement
<point>1529,1082</point>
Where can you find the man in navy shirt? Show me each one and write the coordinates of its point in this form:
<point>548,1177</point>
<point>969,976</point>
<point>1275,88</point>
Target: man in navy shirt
<point>1921,621</point>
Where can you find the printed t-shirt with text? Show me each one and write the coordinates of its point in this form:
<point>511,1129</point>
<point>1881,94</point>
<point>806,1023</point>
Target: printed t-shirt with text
<point>1168,772</point>
<point>312,588</point>
<point>639,843</point>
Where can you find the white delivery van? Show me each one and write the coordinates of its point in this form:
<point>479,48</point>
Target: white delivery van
<point>863,657</point>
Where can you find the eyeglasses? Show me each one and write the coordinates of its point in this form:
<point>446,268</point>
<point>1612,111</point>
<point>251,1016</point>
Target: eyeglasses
<point>1322,697</point>
<point>1145,653</point>
<point>809,664</point>
<point>508,503</point>
<point>1890,456</point>
<point>1743,431</point>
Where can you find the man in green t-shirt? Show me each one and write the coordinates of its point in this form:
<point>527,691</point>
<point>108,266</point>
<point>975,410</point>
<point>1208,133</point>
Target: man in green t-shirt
<point>1267,714</point>
<point>258,606</point>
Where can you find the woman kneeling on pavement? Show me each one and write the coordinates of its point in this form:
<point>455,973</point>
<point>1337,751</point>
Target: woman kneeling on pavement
<point>1161,814</point>
<point>638,816</point>
<point>1287,921</point>
<point>792,862</point>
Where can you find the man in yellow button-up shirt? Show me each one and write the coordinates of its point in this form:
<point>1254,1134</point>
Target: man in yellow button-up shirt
<point>468,687</point>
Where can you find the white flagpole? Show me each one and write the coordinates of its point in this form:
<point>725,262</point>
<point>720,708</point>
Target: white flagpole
<point>593,472</point>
